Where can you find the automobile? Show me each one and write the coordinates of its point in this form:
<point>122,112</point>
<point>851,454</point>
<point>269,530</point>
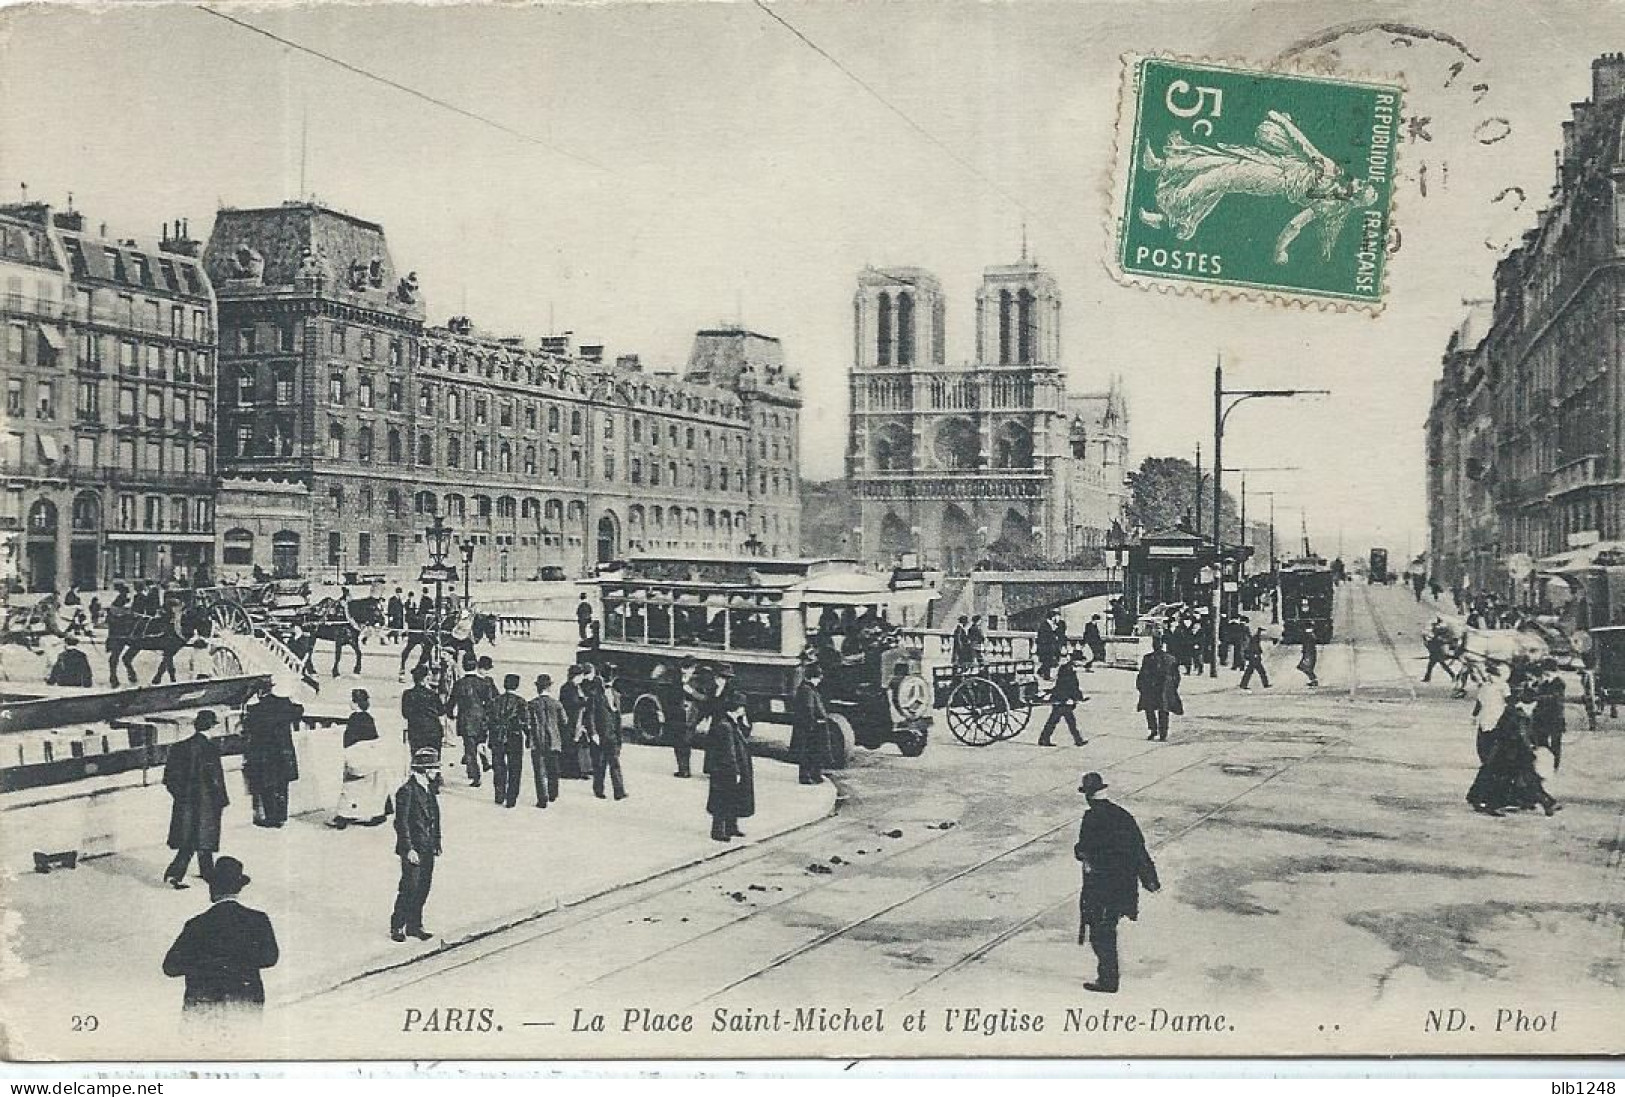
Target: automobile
<point>764,619</point>
<point>552,573</point>
<point>1158,618</point>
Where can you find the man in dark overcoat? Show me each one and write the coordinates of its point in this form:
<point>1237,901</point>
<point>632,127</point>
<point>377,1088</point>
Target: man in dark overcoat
<point>510,724</point>
<point>1064,700</point>
<point>417,844</point>
<point>422,709</point>
<point>197,792</point>
<point>221,952</point>
<point>728,764</point>
<point>1158,683</point>
<point>601,715</point>
<point>1095,642</point>
<point>471,701</point>
<point>1046,647</point>
<point>71,668</point>
<point>270,763</point>
<point>575,760</point>
<point>1253,660</point>
<point>546,737</point>
<point>1116,864</point>
<point>809,728</point>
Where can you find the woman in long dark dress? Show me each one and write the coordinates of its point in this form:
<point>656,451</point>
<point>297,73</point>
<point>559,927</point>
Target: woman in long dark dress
<point>1508,778</point>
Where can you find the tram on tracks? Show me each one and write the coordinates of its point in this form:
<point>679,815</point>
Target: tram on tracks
<point>766,620</point>
<point>1306,600</point>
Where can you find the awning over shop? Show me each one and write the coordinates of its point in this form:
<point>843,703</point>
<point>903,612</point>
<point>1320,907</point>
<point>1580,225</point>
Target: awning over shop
<point>1592,555</point>
<point>53,337</point>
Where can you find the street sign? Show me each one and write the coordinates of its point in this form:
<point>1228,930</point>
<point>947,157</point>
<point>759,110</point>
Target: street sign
<point>440,573</point>
<point>1231,586</point>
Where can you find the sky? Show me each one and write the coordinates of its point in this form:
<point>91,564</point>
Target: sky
<point>677,164</point>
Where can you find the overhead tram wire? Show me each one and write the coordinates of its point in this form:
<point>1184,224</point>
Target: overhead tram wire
<point>907,119</point>
<point>396,85</point>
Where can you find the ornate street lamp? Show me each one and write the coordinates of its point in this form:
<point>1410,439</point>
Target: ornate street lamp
<point>468,567</point>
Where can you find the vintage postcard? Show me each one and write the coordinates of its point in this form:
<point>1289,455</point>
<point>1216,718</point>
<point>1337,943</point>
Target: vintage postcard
<point>585,531</point>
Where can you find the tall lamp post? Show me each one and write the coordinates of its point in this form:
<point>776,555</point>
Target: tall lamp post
<point>467,549</point>
<point>1255,468</point>
<point>437,538</point>
<point>1224,402</point>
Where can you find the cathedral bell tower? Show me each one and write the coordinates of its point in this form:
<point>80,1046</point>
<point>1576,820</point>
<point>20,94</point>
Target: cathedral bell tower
<point>1018,316</point>
<point>898,316</point>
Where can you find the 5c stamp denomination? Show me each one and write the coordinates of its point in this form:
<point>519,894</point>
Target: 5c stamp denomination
<point>1275,183</point>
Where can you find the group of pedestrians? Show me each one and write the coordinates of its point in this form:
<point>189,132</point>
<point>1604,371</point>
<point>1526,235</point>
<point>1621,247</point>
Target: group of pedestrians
<point>1519,720</point>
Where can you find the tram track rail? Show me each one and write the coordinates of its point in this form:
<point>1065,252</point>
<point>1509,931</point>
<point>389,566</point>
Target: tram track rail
<point>589,910</point>
<point>830,937</point>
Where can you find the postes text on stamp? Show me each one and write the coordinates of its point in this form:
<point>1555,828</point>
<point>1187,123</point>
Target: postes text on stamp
<point>1276,183</point>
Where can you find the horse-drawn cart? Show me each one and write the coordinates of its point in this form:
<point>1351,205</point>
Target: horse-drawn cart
<point>249,609</point>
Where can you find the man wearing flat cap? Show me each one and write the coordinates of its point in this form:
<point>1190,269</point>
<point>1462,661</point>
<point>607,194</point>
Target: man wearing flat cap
<point>221,952</point>
<point>1116,864</point>
<point>417,844</point>
<point>197,791</point>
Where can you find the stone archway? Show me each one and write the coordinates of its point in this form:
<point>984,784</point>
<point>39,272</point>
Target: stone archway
<point>958,544</point>
<point>895,537</point>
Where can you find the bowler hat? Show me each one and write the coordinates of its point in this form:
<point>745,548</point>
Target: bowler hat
<point>1092,782</point>
<point>205,720</point>
<point>724,670</point>
<point>228,877</point>
<point>425,758</point>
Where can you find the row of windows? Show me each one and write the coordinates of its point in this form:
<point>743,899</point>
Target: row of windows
<point>125,310</point>
<point>448,359</point>
<point>28,345</point>
<point>155,514</point>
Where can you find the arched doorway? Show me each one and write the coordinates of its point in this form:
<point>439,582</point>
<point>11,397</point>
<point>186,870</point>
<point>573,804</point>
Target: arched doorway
<point>958,544</point>
<point>609,538</point>
<point>42,520</point>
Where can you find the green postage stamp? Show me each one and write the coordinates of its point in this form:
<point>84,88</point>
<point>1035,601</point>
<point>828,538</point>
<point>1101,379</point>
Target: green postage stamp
<point>1270,184</point>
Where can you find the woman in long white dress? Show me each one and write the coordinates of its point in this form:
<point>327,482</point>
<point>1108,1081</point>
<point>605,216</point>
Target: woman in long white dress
<point>365,791</point>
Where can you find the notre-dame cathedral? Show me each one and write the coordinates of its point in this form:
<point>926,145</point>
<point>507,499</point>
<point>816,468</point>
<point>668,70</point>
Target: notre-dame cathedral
<point>991,459</point>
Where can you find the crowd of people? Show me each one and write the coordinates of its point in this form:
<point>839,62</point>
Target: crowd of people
<point>1519,720</point>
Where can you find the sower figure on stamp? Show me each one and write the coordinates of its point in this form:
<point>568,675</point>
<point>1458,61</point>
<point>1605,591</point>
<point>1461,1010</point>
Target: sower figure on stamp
<point>417,844</point>
<point>1116,865</point>
<point>1064,699</point>
<point>221,952</point>
<point>197,789</point>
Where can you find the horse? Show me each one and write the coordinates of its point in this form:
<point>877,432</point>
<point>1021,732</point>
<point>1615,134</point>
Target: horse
<point>452,629</point>
<point>27,625</point>
<point>343,623</point>
<point>166,633</point>
<point>1471,650</point>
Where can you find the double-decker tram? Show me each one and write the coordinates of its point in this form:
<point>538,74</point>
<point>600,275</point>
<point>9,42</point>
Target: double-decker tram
<point>766,620</point>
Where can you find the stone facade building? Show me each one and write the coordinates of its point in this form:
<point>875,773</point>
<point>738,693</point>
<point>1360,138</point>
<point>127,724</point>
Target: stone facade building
<point>108,436</point>
<point>1527,428</point>
<point>992,458</point>
<point>540,455</point>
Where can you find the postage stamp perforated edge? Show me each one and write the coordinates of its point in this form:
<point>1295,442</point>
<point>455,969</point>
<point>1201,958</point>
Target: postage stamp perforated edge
<point>1121,177</point>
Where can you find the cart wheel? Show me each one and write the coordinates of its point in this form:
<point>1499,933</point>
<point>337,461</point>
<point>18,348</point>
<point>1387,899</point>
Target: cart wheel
<point>977,711</point>
<point>1015,721</point>
<point>648,721</point>
<point>231,621</point>
<point>225,661</point>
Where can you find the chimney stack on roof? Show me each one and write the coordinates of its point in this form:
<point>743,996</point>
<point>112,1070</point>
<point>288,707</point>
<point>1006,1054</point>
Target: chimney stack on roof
<point>592,352</point>
<point>1608,78</point>
<point>630,363</point>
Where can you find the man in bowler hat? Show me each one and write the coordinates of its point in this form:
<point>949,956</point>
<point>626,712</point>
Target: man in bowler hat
<point>417,844</point>
<point>197,791</point>
<point>221,952</point>
<point>1116,864</point>
<point>1064,699</point>
<point>510,724</point>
